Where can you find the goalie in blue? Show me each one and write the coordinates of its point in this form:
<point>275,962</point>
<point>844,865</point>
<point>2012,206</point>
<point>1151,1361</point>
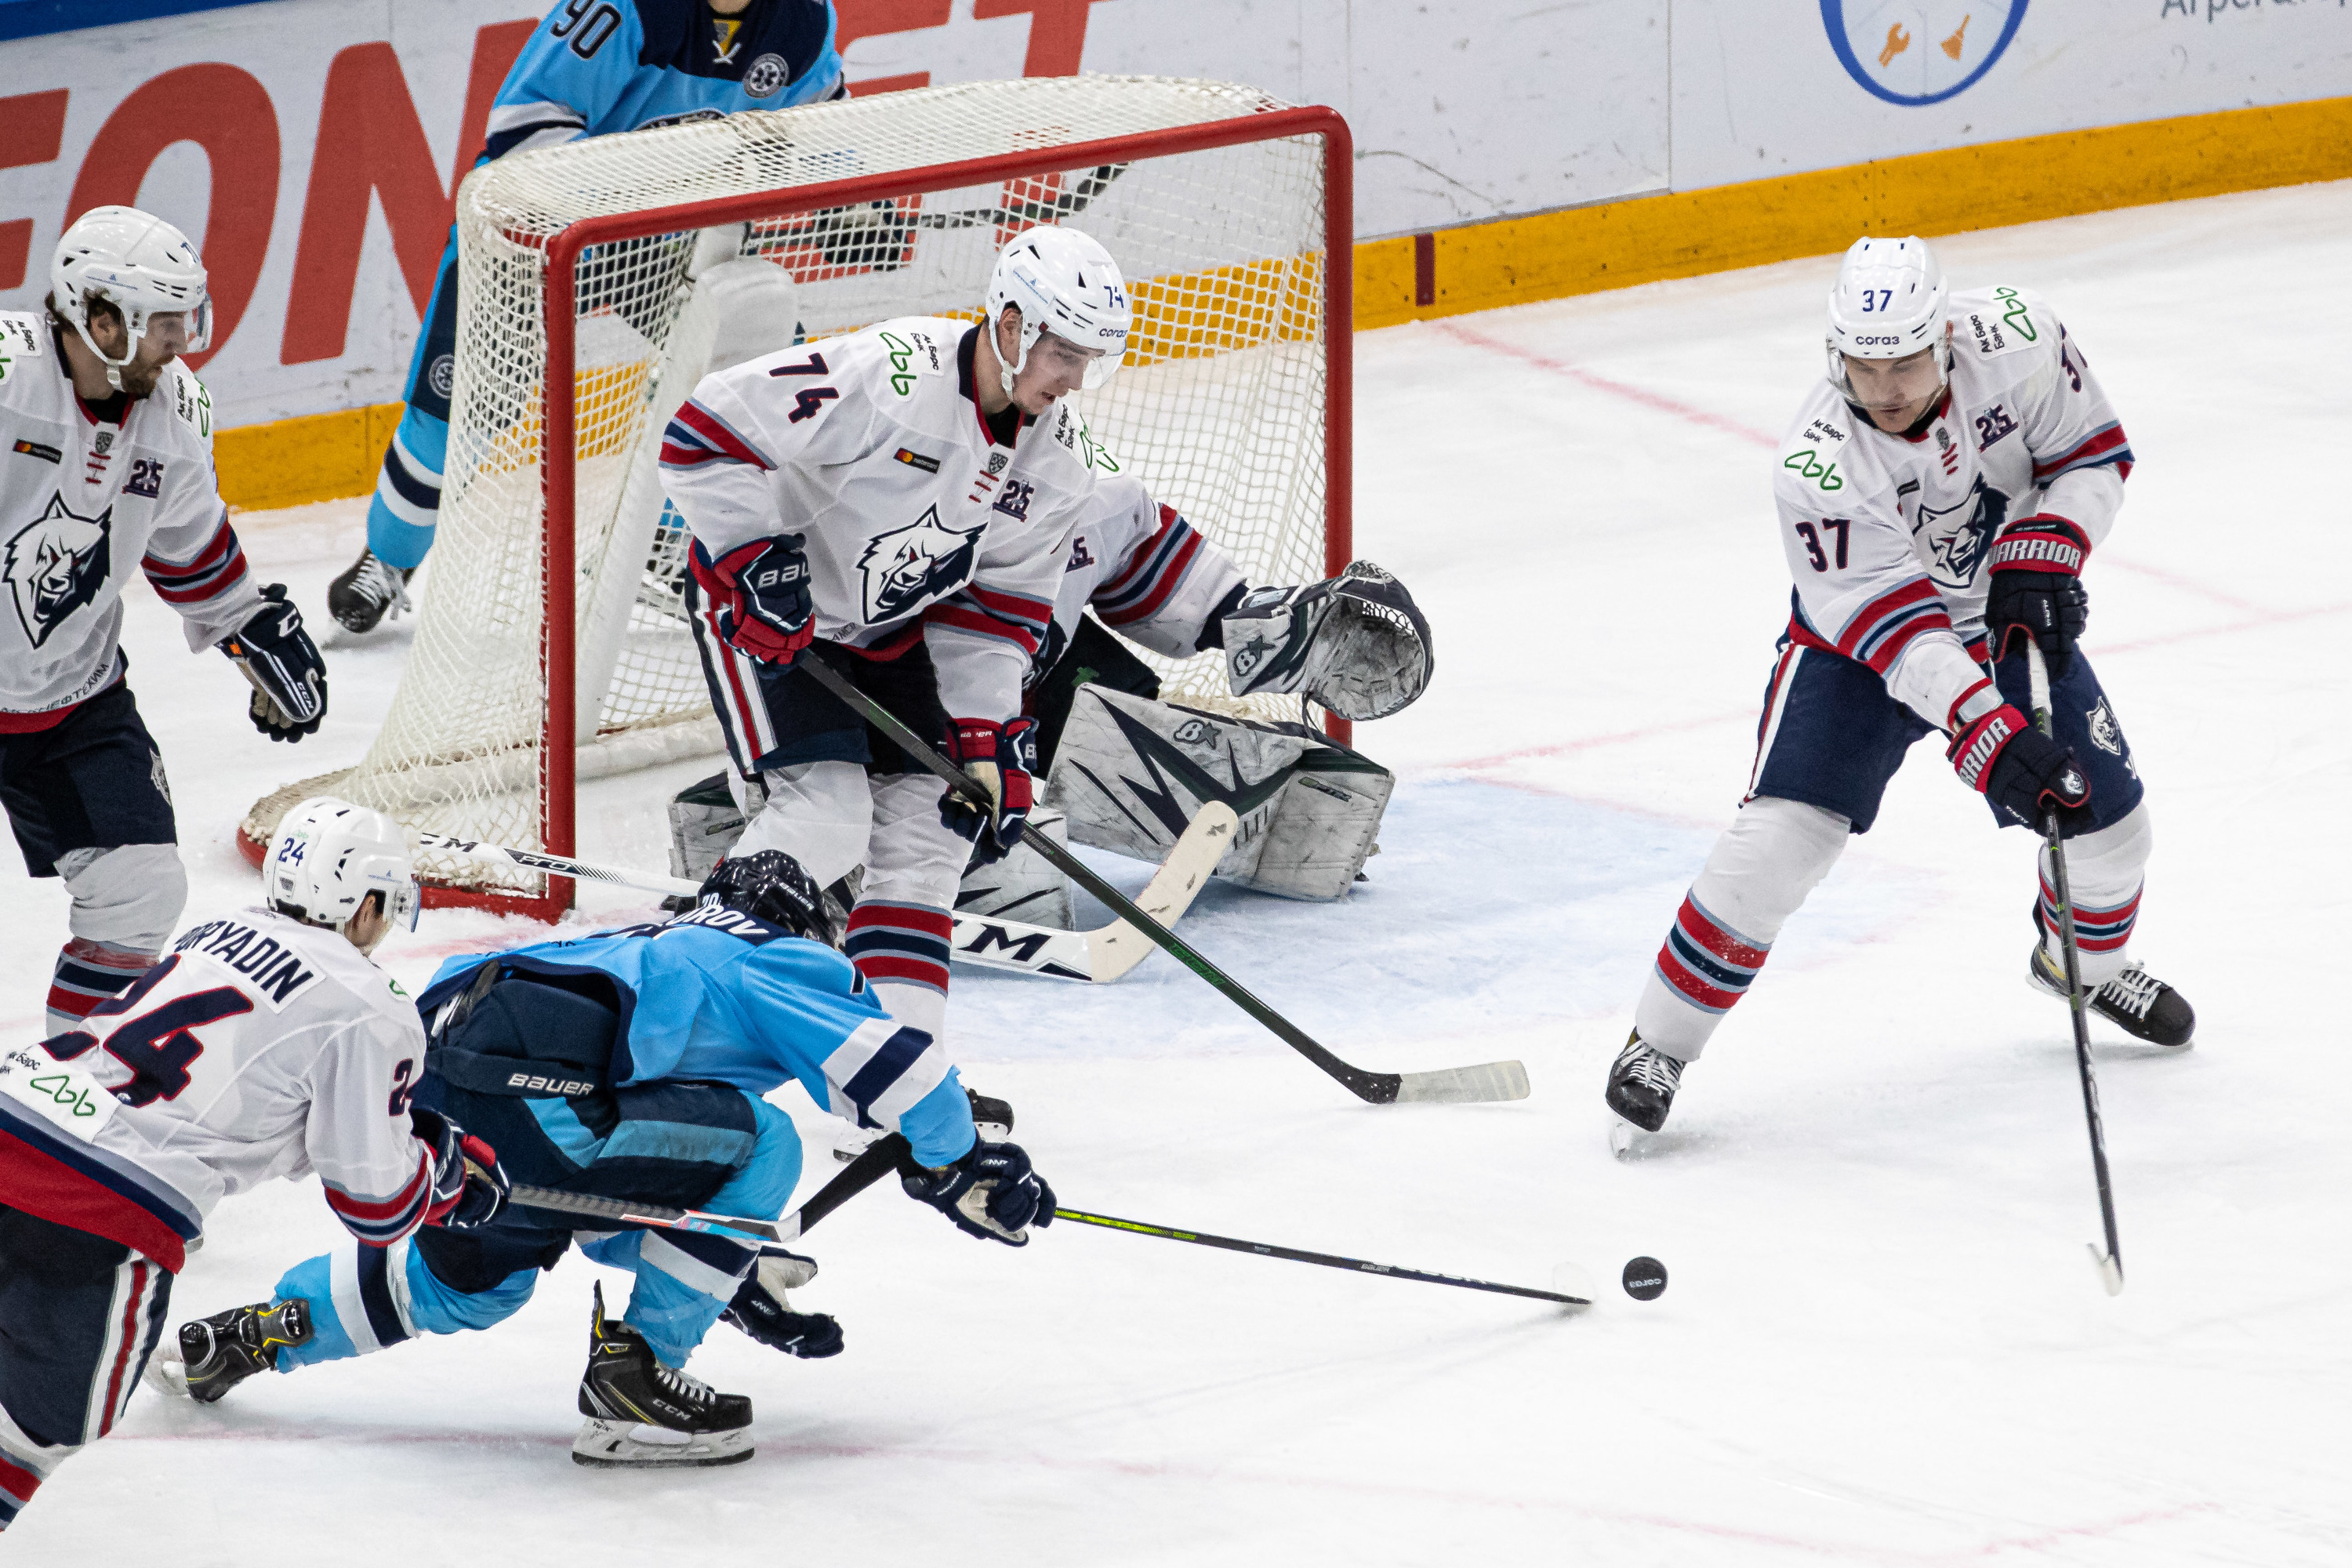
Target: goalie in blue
<point>594,68</point>
<point>632,1064</point>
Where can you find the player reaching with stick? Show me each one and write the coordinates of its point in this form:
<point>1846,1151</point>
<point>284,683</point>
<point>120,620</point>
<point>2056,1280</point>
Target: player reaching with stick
<point>1938,498</point>
<point>632,1064</point>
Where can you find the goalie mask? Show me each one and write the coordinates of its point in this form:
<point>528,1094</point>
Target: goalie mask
<point>1354,644</point>
<point>1061,283</point>
<point>141,265</point>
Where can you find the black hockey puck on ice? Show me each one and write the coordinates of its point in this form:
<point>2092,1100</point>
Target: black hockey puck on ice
<point>1645,1278</point>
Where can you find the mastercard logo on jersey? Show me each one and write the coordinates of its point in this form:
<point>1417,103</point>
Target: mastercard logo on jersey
<point>1920,52</point>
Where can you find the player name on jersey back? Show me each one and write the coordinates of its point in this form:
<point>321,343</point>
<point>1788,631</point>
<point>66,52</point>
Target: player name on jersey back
<point>275,973</point>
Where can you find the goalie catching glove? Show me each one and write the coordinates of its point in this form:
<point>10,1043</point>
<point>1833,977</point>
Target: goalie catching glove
<point>1000,759</point>
<point>991,1193</point>
<point>760,594</point>
<point>290,678</point>
<point>1354,644</point>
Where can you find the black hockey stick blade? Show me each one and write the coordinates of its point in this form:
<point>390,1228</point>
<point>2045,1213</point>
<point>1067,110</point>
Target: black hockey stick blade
<point>1324,1260</point>
<point>1487,1081</point>
<point>2110,1263</point>
<point>884,1155</point>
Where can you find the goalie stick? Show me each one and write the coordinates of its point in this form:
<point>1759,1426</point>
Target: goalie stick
<point>1102,955</point>
<point>1297,1255</point>
<point>879,1158</point>
<point>2110,1262</point>
<point>1486,1081</point>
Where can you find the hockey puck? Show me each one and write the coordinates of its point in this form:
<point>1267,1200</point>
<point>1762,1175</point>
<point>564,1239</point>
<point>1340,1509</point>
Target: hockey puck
<point>1645,1278</point>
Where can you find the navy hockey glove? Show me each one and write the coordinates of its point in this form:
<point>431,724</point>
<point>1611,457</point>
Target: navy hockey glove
<point>761,1311</point>
<point>991,1193</point>
<point>2020,770</point>
<point>290,678</point>
<point>2036,588</point>
<point>468,1187</point>
<point>760,592</point>
<point>1000,759</point>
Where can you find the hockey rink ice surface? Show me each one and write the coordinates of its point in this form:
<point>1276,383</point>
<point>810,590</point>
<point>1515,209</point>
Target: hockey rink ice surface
<point>1883,1341</point>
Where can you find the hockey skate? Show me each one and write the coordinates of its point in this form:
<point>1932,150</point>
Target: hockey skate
<point>1642,1084</point>
<point>641,1413</point>
<point>216,1354</point>
<point>366,591</point>
<point>2136,1002</point>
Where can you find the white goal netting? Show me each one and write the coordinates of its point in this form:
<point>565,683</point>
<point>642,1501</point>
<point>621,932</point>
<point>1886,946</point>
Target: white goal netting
<point>1220,409</point>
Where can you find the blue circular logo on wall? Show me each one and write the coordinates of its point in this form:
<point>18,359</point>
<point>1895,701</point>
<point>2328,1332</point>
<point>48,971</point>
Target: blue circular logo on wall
<point>1915,52</point>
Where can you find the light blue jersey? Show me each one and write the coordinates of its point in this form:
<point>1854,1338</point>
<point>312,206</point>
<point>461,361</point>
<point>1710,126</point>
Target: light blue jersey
<point>721,997</point>
<point>590,68</point>
<point>716,1010</point>
<point>596,67</point>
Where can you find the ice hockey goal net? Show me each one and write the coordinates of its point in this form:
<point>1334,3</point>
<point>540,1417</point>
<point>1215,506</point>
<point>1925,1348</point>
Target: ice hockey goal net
<point>550,646</point>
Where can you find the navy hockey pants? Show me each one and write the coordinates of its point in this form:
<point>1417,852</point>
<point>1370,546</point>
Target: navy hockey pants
<point>80,1315</point>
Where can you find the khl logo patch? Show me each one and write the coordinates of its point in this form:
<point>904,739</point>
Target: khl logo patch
<point>56,565</point>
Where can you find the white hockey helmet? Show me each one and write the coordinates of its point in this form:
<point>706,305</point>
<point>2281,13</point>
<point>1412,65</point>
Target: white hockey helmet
<point>1888,302</point>
<point>140,263</point>
<point>328,854</point>
<point>1063,282</point>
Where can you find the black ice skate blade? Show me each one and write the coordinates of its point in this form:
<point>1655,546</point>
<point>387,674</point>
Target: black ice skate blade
<point>735,1457</point>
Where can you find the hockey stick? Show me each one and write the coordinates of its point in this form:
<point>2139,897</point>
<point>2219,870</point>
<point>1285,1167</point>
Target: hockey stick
<point>1102,955</point>
<point>2111,1261</point>
<point>1295,1255</point>
<point>882,1156</point>
<point>1486,1081</point>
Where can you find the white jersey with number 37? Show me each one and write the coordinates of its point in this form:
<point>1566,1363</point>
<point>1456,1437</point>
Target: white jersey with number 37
<point>257,1047</point>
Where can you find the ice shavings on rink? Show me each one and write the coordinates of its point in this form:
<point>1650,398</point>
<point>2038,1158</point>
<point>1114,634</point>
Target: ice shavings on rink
<point>1882,1345</point>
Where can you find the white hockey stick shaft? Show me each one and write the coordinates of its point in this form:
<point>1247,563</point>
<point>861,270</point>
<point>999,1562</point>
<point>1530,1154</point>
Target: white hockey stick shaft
<point>1100,955</point>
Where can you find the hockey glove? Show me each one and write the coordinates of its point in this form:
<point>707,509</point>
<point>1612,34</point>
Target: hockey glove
<point>290,678</point>
<point>1000,759</point>
<point>469,1187</point>
<point>2036,588</point>
<point>991,1193</point>
<point>760,592</point>
<point>2020,770</point>
<point>761,1311</point>
<point>1356,644</point>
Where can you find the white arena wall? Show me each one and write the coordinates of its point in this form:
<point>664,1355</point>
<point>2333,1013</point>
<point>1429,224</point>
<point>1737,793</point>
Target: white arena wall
<point>1464,114</point>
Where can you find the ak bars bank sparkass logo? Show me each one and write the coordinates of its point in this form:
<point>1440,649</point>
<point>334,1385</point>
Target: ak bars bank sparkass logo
<point>1916,52</point>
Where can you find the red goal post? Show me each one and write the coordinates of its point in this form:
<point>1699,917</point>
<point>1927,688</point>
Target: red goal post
<point>547,647</point>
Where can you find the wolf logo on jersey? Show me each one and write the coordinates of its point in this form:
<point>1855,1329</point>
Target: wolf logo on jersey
<point>56,565</point>
<point>1958,535</point>
<point>907,566</point>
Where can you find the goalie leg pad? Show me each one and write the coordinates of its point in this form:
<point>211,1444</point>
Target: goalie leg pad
<point>1132,773</point>
<point>1024,886</point>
